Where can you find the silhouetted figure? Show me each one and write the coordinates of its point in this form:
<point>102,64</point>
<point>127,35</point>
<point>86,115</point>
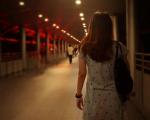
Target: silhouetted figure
<point>70,53</point>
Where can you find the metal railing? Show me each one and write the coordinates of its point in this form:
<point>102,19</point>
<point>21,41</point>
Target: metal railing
<point>11,56</point>
<point>143,61</point>
<point>143,68</point>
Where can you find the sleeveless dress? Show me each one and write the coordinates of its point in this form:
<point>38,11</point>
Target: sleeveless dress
<point>101,99</point>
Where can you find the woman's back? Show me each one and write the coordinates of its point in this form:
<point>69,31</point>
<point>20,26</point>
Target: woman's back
<point>96,61</point>
<point>101,94</point>
<point>100,74</point>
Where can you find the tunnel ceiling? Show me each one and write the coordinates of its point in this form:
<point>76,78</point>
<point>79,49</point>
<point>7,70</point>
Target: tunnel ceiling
<point>64,13</point>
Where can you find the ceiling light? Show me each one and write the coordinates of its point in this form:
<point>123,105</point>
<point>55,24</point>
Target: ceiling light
<point>77,40</point>
<point>81,14</point>
<point>57,27</point>
<point>46,19</point>
<point>85,30</point>
<point>21,3</point>
<point>40,15</point>
<point>78,2</point>
<point>68,34</point>
<point>63,31</point>
<point>84,24</point>
<point>54,25</point>
<point>82,18</point>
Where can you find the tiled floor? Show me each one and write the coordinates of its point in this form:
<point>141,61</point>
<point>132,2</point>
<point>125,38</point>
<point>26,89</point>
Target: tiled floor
<point>48,95</point>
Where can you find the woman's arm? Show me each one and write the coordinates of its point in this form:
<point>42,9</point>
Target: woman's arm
<point>80,83</point>
<point>81,75</point>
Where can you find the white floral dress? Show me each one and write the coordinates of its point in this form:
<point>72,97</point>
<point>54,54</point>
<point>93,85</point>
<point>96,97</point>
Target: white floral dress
<point>101,99</point>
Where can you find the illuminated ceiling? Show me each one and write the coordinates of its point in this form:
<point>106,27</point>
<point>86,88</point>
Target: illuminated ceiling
<point>65,13</point>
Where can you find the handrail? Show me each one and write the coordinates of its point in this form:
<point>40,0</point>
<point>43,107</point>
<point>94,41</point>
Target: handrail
<point>140,60</point>
<point>138,65</point>
<point>144,63</point>
<point>10,56</point>
<point>145,54</point>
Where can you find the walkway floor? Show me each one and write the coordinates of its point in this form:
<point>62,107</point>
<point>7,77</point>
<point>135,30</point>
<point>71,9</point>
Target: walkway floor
<point>44,96</point>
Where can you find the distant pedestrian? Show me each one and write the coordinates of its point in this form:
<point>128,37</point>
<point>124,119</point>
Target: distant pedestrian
<point>70,53</point>
<point>75,51</point>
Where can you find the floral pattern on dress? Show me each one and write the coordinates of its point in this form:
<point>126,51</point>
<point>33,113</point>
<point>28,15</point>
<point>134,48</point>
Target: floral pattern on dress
<point>101,100</point>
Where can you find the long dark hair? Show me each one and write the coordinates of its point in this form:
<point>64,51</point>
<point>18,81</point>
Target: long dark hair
<point>98,42</point>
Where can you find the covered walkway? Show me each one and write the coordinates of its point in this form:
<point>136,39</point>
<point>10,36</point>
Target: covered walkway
<point>36,33</point>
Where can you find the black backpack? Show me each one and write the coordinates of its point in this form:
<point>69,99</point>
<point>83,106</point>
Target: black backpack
<point>123,79</point>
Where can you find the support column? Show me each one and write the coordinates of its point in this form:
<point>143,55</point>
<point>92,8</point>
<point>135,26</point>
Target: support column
<point>38,47</point>
<point>62,46</point>
<point>24,56</point>
<point>47,48</point>
<point>54,46</point>
<point>58,50</point>
<point>131,38</point>
<point>65,46</point>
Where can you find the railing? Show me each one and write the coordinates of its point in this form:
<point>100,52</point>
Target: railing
<point>143,62</point>
<point>10,56</point>
<point>142,82</point>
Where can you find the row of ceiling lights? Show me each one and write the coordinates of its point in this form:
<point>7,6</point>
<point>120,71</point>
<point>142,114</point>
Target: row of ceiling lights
<point>22,3</point>
<point>79,2</point>
<point>64,31</point>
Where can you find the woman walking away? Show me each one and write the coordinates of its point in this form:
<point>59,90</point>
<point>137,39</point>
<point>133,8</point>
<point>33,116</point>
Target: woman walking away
<point>96,60</point>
